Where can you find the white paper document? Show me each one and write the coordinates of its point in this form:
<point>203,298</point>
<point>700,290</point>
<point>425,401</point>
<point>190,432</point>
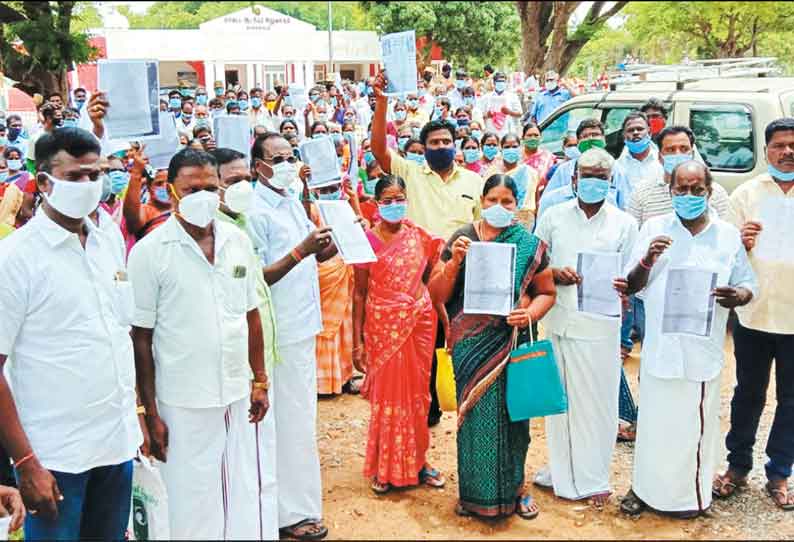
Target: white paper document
<point>489,279</point>
<point>688,303</point>
<point>347,233</point>
<point>774,243</point>
<point>233,132</point>
<point>161,149</point>
<point>320,155</point>
<point>399,60</point>
<point>353,171</point>
<point>596,294</point>
<point>132,88</point>
<point>297,97</point>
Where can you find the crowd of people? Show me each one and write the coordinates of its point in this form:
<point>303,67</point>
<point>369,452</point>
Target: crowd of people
<point>195,314</point>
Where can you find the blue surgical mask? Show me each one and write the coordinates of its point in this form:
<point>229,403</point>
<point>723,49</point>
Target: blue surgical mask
<point>3,141</point>
<point>333,101</point>
<point>14,165</point>
<point>243,105</point>
<point>369,186</point>
<point>497,216</point>
<point>401,141</point>
<point>161,194</point>
<point>476,134</point>
<point>218,92</point>
<point>394,212</point>
<point>79,104</point>
<point>174,103</point>
<point>319,136</point>
<point>689,207</point>
<point>3,176</point>
<point>670,161</point>
<point>471,155</point>
<point>500,86</point>
<point>413,103</point>
<point>118,181</point>
<point>637,147</point>
<point>490,151</point>
<point>592,189</point>
<point>335,195</point>
<point>572,152</point>
<point>416,132</point>
<point>69,123</point>
<point>415,157</point>
<point>780,175</point>
<point>256,103</point>
<point>511,155</point>
<point>468,100</point>
<point>460,83</point>
<point>201,99</point>
<point>400,114</point>
<point>437,111</point>
<point>336,137</point>
<point>368,158</point>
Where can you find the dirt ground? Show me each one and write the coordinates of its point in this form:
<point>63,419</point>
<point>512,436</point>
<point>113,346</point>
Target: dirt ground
<point>353,511</point>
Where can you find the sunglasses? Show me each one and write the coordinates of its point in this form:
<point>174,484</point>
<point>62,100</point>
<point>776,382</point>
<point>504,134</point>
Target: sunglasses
<point>279,159</point>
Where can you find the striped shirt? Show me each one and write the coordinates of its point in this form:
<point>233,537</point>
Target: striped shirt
<point>652,198</point>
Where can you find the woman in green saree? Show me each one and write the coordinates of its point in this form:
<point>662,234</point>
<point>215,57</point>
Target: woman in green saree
<point>491,448</point>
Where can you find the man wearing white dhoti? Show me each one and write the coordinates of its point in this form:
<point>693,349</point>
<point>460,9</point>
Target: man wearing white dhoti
<point>586,338</point>
<point>199,356</point>
<point>693,269</point>
<point>289,247</point>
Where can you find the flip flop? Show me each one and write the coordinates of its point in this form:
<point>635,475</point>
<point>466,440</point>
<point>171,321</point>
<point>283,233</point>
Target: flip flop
<point>379,488</point>
<point>724,486</point>
<point>631,504</point>
<point>462,512</point>
<point>526,501</point>
<point>291,531</point>
<point>431,477</point>
<point>780,496</point>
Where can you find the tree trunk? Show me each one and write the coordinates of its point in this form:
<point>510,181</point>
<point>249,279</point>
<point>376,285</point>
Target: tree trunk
<point>535,29</point>
<point>559,37</point>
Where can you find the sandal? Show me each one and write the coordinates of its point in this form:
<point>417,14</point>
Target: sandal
<point>627,433</point>
<point>725,485</point>
<point>379,488</point>
<point>526,507</point>
<point>308,529</point>
<point>631,504</point>
<point>600,500</point>
<point>781,496</point>
<point>462,512</point>
<point>431,477</point>
<point>352,386</point>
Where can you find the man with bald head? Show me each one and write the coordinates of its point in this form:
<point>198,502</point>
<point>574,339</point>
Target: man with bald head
<point>289,247</point>
<point>678,427</point>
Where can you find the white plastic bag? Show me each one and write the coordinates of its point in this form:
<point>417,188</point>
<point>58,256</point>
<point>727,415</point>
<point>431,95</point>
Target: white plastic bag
<point>149,512</point>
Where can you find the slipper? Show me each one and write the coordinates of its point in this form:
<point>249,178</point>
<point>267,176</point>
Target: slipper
<point>526,501</point>
<point>631,504</point>
<point>379,488</point>
<point>431,477</point>
<point>780,496</point>
<point>462,512</point>
<point>293,531</point>
<point>352,386</point>
<point>724,486</point>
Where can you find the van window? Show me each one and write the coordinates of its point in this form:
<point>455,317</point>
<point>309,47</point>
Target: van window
<point>613,128</point>
<point>561,123</point>
<point>724,136</point>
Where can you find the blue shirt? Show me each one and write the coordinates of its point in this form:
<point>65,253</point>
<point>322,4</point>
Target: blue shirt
<point>547,101</point>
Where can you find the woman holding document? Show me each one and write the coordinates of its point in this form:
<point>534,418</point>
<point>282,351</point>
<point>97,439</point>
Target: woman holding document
<point>394,333</point>
<point>491,449</point>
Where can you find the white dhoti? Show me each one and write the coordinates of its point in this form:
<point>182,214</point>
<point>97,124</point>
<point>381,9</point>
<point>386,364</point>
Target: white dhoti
<point>678,433</point>
<point>298,460</point>
<point>215,471</point>
<point>582,440</point>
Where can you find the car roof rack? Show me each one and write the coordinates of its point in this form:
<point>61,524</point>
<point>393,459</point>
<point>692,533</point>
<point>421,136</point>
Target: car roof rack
<point>693,71</point>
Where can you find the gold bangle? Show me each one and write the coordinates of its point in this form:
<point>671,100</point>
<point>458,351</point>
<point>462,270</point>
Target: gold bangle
<point>260,385</point>
<point>140,410</point>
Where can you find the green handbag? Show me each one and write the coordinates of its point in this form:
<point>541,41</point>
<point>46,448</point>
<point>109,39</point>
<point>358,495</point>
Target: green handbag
<point>534,389</point>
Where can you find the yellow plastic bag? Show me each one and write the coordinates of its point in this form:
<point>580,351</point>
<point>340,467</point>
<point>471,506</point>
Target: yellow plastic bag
<point>445,381</point>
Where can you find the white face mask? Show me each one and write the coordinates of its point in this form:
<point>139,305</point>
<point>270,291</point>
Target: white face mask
<point>284,175</point>
<point>74,199</point>
<point>238,196</point>
<point>200,208</point>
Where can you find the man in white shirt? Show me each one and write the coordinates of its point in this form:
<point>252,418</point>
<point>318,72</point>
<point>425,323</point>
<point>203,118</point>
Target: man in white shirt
<point>199,354</point>
<point>70,424</point>
<point>640,158</point>
<point>586,338</point>
<point>289,247</point>
<point>501,108</point>
<point>456,94</point>
<point>693,257</point>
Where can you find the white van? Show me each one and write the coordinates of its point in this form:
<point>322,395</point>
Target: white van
<point>728,117</point>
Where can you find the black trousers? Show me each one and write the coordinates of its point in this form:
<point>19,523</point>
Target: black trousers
<point>6,472</point>
<point>435,410</point>
<point>755,351</point>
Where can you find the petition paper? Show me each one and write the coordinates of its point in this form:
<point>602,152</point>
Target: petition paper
<point>489,279</point>
<point>349,237</point>
<point>688,303</point>
<point>596,295</point>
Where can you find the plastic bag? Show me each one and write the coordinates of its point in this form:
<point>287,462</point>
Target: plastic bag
<point>445,381</point>
<point>149,512</point>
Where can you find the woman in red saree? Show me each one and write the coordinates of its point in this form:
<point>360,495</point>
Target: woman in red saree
<point>394,332</point>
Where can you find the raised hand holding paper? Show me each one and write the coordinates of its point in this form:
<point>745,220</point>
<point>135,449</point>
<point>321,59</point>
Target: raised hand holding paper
<point>320,155</point>
<point>131,88</point>
<point>399,60</point>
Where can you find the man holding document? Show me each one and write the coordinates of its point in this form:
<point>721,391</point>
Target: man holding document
<point>588,239</point>
<point>693,269</point>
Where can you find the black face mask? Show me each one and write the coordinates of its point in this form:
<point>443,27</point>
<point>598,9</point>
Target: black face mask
<point>427,77</point>
<point>13,133</point>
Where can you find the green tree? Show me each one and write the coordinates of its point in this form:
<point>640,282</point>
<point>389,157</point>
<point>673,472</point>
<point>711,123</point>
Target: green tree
<point>38,45</point>
<point>470,33</point>
<point>549,40</point>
